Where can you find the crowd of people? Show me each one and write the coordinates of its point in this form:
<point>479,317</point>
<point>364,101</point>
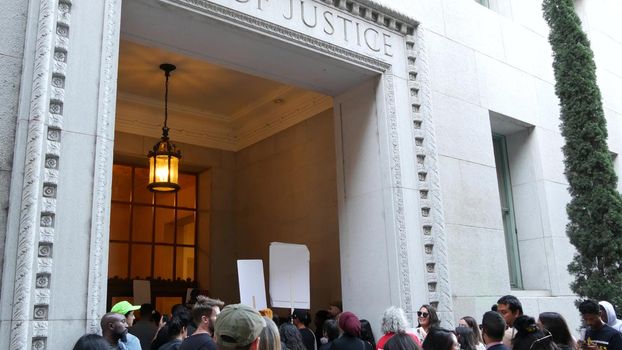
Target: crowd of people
<point>239,327</point>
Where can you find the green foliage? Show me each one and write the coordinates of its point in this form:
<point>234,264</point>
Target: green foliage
<point>595,210</point>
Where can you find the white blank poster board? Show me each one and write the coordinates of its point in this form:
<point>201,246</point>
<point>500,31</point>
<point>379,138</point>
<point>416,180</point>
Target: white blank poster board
<point>252,283</point>
<point>289,276</point>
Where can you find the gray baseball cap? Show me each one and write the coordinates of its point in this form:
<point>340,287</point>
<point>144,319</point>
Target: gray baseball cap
<point>238,325</point>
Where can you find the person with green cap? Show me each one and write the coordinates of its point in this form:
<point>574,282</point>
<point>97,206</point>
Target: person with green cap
<point>127,310</point>
<point>238,327</point>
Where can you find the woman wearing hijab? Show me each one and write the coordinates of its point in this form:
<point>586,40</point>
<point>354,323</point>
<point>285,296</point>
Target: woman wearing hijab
<point>351,327</point>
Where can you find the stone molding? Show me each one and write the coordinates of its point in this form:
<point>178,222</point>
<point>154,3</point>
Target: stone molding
<point>206,8</point>
<point>40,184</point>
<point>100,214</point>
<point>432,218</point>
<point>230,134</point>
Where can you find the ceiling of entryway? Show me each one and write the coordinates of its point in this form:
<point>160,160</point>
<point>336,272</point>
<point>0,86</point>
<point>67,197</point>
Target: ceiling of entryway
<point>209,105</point>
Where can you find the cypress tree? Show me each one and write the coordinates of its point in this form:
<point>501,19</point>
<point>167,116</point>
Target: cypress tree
<point>595,208</point>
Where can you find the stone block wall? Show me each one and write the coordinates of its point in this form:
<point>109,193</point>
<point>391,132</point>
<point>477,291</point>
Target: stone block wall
<point>497,60</point>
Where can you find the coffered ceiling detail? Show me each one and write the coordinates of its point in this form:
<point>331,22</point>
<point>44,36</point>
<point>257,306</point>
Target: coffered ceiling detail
<point>209,105</point>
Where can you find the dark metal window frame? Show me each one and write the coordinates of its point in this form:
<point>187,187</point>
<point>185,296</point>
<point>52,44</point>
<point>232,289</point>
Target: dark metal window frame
<point>153,205</point>
<point>507,210</point>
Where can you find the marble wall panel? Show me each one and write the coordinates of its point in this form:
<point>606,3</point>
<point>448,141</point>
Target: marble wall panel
<point>470,194</point>
<point>13,15</point>
<point>483,35</point>
<point>495,79</point>
<point>463,130</point>
<point>480,252</point>
<point>453,70</point>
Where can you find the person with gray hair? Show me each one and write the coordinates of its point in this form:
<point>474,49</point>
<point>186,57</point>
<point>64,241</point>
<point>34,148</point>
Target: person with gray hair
<point>394,321</point>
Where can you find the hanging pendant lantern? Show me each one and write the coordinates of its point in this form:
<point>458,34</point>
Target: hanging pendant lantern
<point>164,158</point>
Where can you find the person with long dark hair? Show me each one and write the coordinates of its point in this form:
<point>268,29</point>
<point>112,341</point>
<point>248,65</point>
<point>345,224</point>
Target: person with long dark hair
<point>466,338</point>
<point>290,337</point>
<point>367,334</point>
<point>468,321</point>
<point>555,324</point>
<point>440,339</point>
<point>401,341</point>
<point>330,333</point>
<point>176,333</point>
<point>428,319</point>
<point>529,336</point>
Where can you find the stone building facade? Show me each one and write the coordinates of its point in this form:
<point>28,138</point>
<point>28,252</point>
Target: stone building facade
<point>437,122</point>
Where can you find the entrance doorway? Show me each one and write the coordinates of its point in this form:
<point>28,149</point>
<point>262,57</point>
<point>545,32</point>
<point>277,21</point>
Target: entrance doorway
<point>327,172</point>
<point>258,166</point>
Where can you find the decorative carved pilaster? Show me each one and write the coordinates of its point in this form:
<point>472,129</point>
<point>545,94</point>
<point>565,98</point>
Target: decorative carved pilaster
<point>103,164</point>
<point>38,206</point>
<point>398,196</point>
<point>432,216</point>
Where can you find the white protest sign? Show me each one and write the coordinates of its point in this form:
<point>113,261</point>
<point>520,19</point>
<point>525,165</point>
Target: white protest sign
<point>252,283</point>
<point>289,276</point>
<point>142,292</point>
